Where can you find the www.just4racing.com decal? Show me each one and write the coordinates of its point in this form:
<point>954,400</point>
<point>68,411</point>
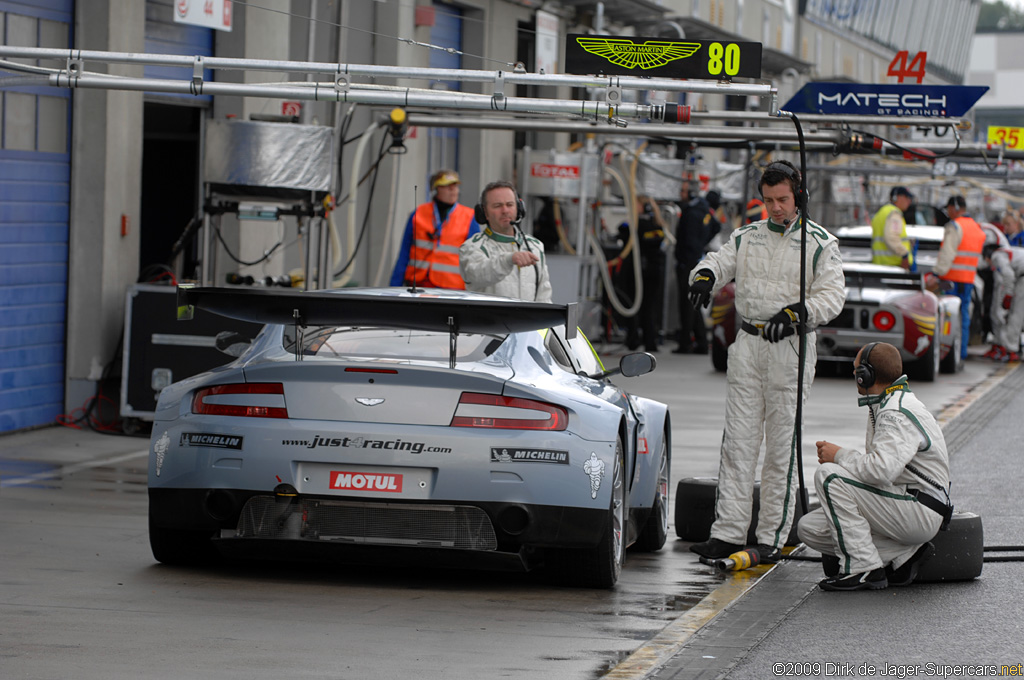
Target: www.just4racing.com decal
<point>217,441</point>
<point>318,442</point>
<point>510,455</point>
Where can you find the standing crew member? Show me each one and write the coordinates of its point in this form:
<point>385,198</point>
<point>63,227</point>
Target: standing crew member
<point>696,227</point>
<point>650,230</point>
<point>755,211</point>
<point>958,261</point>
<point>889,242</point>
<point>880,508</point>
<point>502,260</point>
<point>764,258</point>
<point>1007,265</point>
<point>429,255</point>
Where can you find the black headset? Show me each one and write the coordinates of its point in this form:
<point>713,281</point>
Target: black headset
<point>865,372</point>
<point>793,174</point>
<point>478,209</point>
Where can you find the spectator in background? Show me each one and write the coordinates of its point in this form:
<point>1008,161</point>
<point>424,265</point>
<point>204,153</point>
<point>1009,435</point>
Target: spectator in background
<point>429,255</point>
<point>958,259</point>
<point>755,211</point>
<point>696,227</point>
<point>1013,227</point>
<point>889,242</point>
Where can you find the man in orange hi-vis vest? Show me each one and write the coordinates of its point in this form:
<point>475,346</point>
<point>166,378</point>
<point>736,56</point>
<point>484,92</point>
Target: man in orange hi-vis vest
<point>958,261</point>
<point>429,256</point>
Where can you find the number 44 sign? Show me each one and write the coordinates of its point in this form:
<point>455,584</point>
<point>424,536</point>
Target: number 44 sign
<point>898,67</point>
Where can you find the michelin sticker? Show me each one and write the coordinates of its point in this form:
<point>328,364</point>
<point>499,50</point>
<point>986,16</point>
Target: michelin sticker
<point>594,468</point>
<point>160,450</point>
<point>506,455</point>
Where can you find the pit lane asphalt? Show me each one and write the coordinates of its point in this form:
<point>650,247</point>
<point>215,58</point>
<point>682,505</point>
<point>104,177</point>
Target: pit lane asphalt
<point>662,611</point>
<point>776,622</point>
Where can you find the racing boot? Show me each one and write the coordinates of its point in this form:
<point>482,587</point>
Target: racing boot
<point>715,549</point>
<point>905,575</point>
<point>1009,356</point>
<point>994,352</point>
<point>867,580</point>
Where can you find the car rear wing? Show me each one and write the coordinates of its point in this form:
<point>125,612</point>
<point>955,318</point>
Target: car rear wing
<point>868,278</point>
<point>423,312</point>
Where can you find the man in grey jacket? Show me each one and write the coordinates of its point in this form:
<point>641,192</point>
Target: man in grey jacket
<point>502,260</point>
<point>880,507</point>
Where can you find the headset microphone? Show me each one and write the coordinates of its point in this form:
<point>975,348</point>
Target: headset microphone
<point>785,223</point>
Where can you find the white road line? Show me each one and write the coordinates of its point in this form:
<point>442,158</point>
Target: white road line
<point>70,469</point>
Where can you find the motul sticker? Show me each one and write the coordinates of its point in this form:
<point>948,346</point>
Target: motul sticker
<point>549,171</point>
<point>506,455</point>
<point>365,481</point>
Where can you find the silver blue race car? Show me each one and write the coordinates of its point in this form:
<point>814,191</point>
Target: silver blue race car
<point>462,429</point>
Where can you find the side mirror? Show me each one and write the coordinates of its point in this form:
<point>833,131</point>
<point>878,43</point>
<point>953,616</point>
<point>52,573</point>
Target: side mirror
<point>632,365</point>
<point>232,343</point>
<point>636,364</point>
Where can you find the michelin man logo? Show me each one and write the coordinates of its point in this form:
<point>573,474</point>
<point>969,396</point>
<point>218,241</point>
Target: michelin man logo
<point>595,470</point>
<point>160,450</point>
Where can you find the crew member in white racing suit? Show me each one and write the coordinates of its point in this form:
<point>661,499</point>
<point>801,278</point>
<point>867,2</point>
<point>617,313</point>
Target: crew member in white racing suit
<point>880,508</point>
<point>764,259</point>
<point>502,260</point>
<point>1007,265</point>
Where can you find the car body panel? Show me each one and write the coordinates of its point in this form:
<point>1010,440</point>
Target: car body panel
<point>370,426</point>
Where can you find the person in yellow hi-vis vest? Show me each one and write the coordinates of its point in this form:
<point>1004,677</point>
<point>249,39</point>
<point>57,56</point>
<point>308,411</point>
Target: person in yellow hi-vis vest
<point>889,242</point>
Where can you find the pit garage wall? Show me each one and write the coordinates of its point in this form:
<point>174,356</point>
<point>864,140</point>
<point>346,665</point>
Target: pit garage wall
<point>106,171</point>
<point>35,168</point>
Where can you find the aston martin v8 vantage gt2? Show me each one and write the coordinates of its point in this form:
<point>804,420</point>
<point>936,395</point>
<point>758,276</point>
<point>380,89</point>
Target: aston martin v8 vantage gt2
<point>440,426</point>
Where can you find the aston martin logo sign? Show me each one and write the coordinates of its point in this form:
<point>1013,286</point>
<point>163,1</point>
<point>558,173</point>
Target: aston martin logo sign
<point>614,55</point>
<point>628,54</point>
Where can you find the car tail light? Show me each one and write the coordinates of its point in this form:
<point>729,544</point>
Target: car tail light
<point>508,413</point>
<point>226,394</point>
<point>884,321</point>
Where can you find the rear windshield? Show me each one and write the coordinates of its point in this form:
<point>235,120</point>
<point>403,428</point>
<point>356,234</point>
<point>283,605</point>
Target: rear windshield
<point>390,343</point>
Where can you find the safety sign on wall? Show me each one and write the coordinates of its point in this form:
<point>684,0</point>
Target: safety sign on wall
<point>660,58</point>
<point>207,13</point>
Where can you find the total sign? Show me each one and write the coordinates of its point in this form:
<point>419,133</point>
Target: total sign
<point>864,99</point>
<point>207,13</point>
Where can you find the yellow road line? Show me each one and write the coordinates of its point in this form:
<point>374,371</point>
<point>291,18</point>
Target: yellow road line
<point>669,641</point>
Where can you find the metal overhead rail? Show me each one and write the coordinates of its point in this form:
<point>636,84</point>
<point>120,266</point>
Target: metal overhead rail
<point>517,76</point>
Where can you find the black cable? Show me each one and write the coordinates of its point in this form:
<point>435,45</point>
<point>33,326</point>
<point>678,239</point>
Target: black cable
<point>802,325</point>
<point>381,153</point>
<point>266,255</point>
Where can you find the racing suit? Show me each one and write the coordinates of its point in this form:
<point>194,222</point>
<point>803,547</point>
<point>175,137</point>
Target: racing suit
<point>870,514</point>
<point>485,261</point>
<point>1008,275</point>
<point>764,258</point>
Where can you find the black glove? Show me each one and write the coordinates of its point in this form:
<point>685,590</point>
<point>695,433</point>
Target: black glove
<point>784,324</point>
<point>700,289</point>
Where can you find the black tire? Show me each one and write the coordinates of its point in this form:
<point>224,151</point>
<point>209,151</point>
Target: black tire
<point>719,357</point>
<point>695,510</point>
<point>600,566</point>
<point>953,363</point>
<point>959,551</point>
<point>927,366</point>
<point>655,531</point>
<point>180,547</point>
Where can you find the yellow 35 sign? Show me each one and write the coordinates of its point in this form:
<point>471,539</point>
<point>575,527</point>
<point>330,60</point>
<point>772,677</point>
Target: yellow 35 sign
<point>1013,137</point>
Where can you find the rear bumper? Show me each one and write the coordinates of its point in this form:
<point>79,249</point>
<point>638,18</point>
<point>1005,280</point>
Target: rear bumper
<point>515,526</point>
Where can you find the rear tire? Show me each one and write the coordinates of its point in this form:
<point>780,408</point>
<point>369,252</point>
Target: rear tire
<point>953,363</point>
<point>927,366</point>
<point>655,530</point>
<point>179,547</point>
<point>600,566</point>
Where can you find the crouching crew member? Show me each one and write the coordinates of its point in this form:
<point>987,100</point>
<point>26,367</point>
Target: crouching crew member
<point>880,507</point>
